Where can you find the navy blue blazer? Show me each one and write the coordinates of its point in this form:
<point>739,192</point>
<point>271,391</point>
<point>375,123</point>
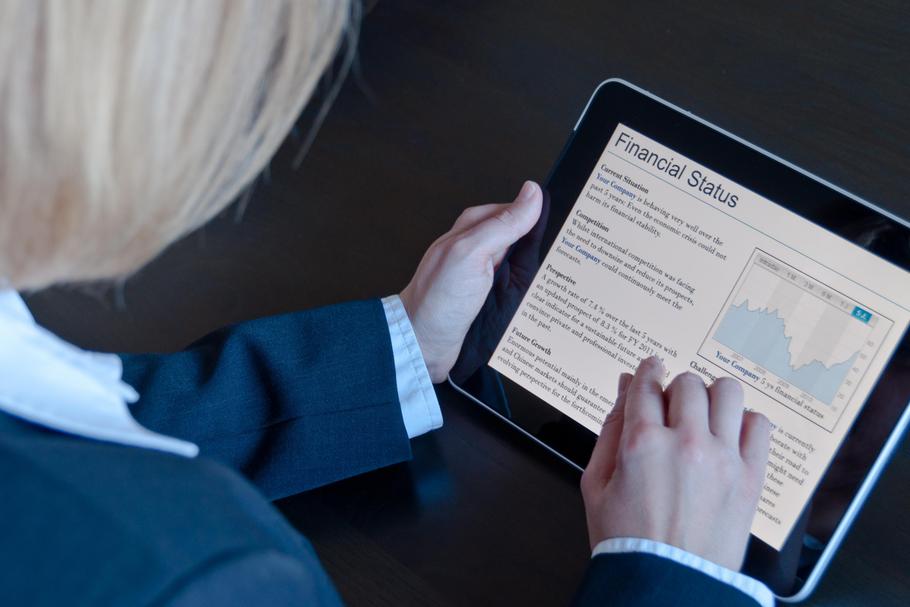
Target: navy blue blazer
<point>277,406</point>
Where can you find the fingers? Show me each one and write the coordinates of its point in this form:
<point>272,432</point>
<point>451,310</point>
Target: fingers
<point>688,406</point>
<point>726,415</point>
<point>645,398</point>
<point>755,439</point>
<point>603,458</point>
<point>500,230</point>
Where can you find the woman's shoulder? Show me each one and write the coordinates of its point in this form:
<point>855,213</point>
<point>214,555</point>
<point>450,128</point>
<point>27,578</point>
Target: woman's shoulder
<point>88,522</point>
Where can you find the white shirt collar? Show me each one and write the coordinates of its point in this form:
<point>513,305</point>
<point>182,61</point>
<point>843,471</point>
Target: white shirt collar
<point>50,382</point>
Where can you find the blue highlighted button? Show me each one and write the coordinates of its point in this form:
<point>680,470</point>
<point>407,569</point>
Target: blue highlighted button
<point>861,314</point>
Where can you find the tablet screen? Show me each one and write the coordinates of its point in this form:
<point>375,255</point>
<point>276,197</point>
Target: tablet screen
<point>663,256</point>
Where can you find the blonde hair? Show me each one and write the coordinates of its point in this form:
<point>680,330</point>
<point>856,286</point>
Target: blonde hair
<point>126,123</point>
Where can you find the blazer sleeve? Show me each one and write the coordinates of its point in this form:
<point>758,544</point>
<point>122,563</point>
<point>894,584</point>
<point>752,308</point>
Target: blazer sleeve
<point>645,580</point>
<point>266,579</point>
<point>292,401</point>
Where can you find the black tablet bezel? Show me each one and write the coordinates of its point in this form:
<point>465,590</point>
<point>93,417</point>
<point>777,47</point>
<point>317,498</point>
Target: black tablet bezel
<point>882,418</point>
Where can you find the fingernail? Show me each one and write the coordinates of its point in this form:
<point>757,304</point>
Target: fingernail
<point>527,191</point>
<point>652,361</point>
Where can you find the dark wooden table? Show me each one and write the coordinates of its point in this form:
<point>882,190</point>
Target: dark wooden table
<point>455,104</point>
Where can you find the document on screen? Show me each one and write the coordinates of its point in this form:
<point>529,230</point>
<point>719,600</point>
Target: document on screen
<point>662,256</point>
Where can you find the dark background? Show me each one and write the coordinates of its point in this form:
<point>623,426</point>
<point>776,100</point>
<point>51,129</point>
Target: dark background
<point>455,104</point>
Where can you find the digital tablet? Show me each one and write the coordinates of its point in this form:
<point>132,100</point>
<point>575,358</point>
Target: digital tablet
<point>662,234</point>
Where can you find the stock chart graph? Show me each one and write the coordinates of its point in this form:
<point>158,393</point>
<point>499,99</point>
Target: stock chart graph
<point>795,339</point>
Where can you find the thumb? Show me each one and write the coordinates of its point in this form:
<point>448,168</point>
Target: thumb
<point>502,229</point>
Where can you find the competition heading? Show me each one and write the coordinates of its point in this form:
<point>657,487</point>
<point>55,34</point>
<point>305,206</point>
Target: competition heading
<point>695,179</point>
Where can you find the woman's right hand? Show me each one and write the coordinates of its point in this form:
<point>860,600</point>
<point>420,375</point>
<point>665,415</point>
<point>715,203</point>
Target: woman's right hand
<point>683,466</point>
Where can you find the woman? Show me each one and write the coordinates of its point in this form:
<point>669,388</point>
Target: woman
<point>124,125</point>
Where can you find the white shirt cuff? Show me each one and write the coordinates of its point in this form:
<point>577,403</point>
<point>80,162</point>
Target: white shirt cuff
<point>752,587</point>
<point>419,406</point>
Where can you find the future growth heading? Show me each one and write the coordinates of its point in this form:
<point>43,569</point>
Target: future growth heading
<point>694,179</point>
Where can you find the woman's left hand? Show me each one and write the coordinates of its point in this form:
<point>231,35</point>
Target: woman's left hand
<point>456,273</point>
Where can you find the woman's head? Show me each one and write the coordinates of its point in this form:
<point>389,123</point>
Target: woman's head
<point>125,124</point>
